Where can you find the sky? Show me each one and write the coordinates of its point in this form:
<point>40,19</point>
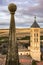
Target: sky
<point>24,15</point>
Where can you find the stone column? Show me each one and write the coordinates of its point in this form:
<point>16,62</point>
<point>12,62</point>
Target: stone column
<point>12,55</point>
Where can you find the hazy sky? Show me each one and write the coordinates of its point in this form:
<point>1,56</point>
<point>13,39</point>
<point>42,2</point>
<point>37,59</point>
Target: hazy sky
<point>24,16</point>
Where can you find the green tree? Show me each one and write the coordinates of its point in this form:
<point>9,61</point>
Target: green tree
<point>34,62</point>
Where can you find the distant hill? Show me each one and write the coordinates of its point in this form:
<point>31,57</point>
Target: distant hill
<point>19,32</point>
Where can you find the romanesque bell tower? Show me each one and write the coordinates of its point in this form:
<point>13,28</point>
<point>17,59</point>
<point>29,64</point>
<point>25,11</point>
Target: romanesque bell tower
<point>35,41</point>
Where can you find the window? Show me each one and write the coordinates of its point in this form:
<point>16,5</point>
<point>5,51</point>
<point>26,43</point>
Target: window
<point>35,39</point>
<point>36,34</point>
<point>21,54</point>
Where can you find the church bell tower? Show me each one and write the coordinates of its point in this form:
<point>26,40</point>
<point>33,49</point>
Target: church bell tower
<point>35,41</point>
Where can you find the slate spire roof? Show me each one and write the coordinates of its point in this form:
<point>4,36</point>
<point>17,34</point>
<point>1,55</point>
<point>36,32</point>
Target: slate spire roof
<point>35,24</point>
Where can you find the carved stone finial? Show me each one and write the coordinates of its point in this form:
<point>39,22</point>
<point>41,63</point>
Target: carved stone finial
<point>12,7</point>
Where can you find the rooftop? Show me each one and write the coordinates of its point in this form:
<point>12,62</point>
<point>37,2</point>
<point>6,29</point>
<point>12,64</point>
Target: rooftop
<point>35,24</point>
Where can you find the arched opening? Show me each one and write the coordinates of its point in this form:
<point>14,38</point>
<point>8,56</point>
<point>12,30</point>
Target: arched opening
<point>26,53</point>
<point>21,54</point>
